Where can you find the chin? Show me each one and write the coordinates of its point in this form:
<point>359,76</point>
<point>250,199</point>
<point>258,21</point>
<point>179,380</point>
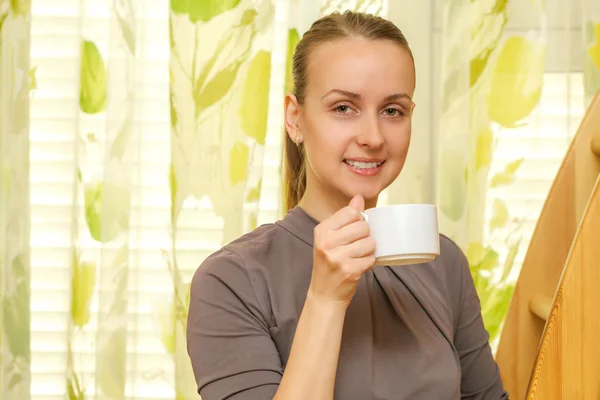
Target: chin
<point>368,192</point>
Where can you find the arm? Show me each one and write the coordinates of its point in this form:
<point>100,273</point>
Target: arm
<point>232,353</point>
<point>312,365</point>
<point>343,251</point>
<point>480,373</point>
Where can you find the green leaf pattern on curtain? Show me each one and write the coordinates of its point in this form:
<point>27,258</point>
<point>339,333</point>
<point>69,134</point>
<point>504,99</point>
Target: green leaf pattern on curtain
<point>92,97</point>
<point>495,83</point>
<point>253,108</point>
<point>15,275</point>
<point>219,105</point>
<point>293,39</point>
<point>594,43</point>
<point>591,56</point>
<point>100,271</point>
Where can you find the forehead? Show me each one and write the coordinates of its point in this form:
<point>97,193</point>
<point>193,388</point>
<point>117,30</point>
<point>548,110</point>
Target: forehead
<point>361,66</point>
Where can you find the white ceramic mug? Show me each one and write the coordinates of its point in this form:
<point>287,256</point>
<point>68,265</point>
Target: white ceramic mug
<point>404,234</point>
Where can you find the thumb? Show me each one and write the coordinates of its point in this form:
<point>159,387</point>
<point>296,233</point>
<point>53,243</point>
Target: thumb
<point>358,202</point>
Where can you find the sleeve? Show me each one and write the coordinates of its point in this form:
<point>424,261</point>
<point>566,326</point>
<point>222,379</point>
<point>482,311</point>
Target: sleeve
<point>228,341</point>
<point>480,373</point>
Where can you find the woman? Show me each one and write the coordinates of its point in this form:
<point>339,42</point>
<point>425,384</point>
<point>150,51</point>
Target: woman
<point>295,309</point>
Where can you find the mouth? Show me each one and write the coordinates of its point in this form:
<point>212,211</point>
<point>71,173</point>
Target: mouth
<point>364,164</point>
<point>364,167</point>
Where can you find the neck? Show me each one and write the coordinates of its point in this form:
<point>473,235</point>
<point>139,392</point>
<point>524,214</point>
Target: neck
<point>320,203</point>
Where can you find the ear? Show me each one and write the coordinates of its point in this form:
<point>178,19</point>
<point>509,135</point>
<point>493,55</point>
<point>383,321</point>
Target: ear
<point>292,117</point>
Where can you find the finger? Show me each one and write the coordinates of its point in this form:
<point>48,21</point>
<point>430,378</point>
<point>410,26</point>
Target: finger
<point>367,263</point>
<point>358,202</point>
<point>350,233</point>
<point>343,217</point>
<point>361,248</point>
<point>358,266</point>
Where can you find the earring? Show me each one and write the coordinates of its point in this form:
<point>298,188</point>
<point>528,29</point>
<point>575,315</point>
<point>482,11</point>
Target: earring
<point>297,140</point>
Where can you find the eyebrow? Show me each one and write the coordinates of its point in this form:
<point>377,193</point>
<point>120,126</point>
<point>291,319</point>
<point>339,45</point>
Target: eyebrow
<point>356,96</point>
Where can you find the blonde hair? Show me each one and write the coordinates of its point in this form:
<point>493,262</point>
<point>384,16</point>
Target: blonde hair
<point>329,28</point>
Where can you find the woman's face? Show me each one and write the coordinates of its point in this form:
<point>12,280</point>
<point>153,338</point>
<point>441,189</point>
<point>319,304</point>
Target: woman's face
<point>355,122</point>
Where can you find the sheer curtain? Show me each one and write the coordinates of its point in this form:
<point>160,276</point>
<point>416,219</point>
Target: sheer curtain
<point>138,136</point>
<point>15,353</point>
<point>501,89</point>
<point>130,150</point>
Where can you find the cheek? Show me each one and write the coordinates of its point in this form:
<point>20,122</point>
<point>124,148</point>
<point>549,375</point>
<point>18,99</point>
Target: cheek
<point>327,135</point>
<point>398,141</point>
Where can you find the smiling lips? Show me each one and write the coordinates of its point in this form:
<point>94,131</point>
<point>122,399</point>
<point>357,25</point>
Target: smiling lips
<point>364,166</point>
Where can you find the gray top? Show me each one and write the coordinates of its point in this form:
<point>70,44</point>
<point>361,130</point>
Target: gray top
<point>411,332</point>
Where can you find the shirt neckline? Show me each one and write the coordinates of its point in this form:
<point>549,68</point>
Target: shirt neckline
<point>300,224</point>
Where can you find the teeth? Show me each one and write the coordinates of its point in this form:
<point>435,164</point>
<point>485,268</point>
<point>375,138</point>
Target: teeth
<point>364,165</point>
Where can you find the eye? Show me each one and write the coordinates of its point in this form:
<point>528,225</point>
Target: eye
<point>343,109</point>
<point>393,112</point>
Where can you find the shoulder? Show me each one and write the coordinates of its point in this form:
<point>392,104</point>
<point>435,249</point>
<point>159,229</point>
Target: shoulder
<point>238,254</point>
<point>259,248</point>
<point>451,254</point>
<point>249,267</point>
<point>452,266</point>
<point>223,277</point>
<point>453,263</point>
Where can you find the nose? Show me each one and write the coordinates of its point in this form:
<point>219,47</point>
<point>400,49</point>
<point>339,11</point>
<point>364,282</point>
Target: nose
<point>370,135</point>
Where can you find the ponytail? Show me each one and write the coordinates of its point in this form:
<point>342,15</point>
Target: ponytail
<point>294,174</point>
